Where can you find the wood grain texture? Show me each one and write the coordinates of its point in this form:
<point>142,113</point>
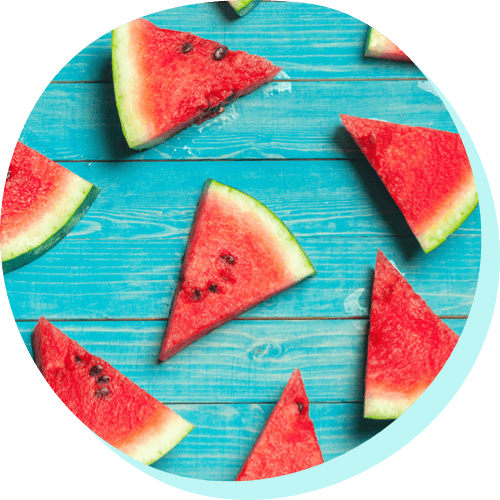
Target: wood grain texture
<point>242,361</point>
<point>136,278</point>
<point>333,49</point>
<point>281,120</point>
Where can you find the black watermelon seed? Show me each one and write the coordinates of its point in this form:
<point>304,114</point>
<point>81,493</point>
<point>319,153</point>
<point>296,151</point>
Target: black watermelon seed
<point>95,370</point>
<point>196,294</point>
<point>213,288</point>
<point>103,379</point>
<point>187,47</point>
<point>228,258</point>
<point>101,393</point>
<point>8,174</point>
<point>77,359</point>
<point>220,53</point>
<point>301,407</point>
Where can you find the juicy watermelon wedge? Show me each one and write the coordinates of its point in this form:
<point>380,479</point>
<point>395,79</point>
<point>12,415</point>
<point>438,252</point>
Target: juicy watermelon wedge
<point>167,80</point>
<point>380,47</point>
<point>288,442</point>
<point>238,255</point>
<point>426,171</point>
<point>106,401</point>
<point>42,202</point>
<point>242,7</point>
<point>407,346</point>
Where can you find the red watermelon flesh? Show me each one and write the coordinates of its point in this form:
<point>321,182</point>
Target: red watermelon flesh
<point>106,401</point>
<point>42,202</point>
<point>167,80</point>
<point>426,171</point>
<point>288,442</point>
<point>238,255</point>
<point>379,46</point>
<point>408,344</point>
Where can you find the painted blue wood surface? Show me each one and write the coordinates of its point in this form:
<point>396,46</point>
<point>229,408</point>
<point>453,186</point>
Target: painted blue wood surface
<point>279,121</point>
<point>109,284</point>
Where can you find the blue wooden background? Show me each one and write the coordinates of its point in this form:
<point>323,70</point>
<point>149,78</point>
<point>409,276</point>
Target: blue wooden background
<point>109,284</point>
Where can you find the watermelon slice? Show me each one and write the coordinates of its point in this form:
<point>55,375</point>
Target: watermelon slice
<point>167,80</point>
<point>407,347</point>
<point>380,47</point>
<point>42,202</point>
<point>238,255</point>
<point>426,171</point>
<point>242,7</point>
<point>288,442</point>
<point>106,401</point>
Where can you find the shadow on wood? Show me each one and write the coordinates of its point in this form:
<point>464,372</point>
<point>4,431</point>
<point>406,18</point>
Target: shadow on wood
<point>386,205</point>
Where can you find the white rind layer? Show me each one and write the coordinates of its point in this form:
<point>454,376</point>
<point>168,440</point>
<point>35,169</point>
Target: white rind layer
<point>55,217</point>
<point>125,79</point>
<point>153,444</point>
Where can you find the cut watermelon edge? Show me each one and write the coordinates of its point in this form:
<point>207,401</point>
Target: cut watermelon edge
<point>298,259</point>
<point>376,47</point>
<point>40,239</point>
<point>449,220</point>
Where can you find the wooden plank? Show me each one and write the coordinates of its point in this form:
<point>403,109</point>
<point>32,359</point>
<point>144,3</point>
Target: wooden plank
<point>315,198</point>
<point>281,120</point>
<point>241,362</point>
<point>114,278</point>
<point>308,41</point>
<point>224,435</point>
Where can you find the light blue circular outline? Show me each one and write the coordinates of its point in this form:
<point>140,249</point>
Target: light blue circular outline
<point>421,413</point>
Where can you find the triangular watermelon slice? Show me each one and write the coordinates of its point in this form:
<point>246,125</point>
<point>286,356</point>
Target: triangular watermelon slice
<point>167,80</point>
<point>426,171</point>
<point>106,401</point>
<point>288,442</point>
<point>238,255</point>
<point>380,47</point>
<point>407,346</point>
<point>42,202</point>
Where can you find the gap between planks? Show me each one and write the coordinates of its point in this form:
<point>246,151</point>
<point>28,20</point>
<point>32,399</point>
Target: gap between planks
<point>305,318</point>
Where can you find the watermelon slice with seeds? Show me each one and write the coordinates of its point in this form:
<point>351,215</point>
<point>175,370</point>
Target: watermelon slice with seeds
<point>288,442</point>
<point>408,344</point>
<point>426,171</point>
<point>167,80</point>
<point>106,401</point>
<point>238,255</point>
<point>42,202</point>
<point>380,47</point>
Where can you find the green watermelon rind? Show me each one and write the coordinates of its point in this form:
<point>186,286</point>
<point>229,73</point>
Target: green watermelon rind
<point>437,233</point>
<point>83,195</point>
<point>377,46</point>
<point>298,261</point>
<point>242,7</point>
